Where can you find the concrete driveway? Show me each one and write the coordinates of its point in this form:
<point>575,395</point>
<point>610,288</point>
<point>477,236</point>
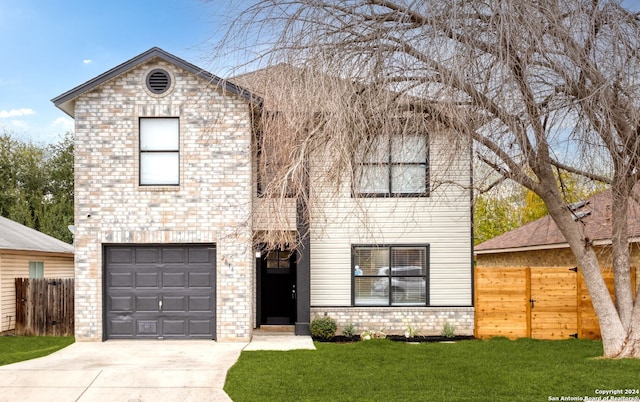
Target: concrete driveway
<point>127,371</point>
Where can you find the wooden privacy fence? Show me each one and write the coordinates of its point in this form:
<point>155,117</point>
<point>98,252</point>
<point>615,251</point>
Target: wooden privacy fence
<point>44,306</point>
<point>540,302</point>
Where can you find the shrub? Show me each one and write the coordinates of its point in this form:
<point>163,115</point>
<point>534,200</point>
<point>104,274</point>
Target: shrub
<point>349,330</point>
<point>410,332</point>
<point>448,331</point>
<point>323,327</point>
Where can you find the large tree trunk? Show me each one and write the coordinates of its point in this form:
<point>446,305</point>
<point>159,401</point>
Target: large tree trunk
<point>618,339</point>
<point>631,346</point>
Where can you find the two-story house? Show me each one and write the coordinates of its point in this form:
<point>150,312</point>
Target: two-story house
<point>166,193</point>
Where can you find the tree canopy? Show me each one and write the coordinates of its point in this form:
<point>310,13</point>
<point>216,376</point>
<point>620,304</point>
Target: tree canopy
<point>541,88</point>
<point>37,184</point>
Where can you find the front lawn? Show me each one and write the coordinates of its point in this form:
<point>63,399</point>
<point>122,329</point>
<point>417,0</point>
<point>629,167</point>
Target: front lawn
<point>382,370</point>
<point>18,348</point>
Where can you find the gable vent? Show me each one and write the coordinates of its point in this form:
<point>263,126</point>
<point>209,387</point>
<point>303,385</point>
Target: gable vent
<point>158,81</point>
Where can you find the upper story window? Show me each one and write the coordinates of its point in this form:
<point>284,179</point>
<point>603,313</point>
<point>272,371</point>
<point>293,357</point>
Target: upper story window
<point>394,166</point>
<point>159,151</point>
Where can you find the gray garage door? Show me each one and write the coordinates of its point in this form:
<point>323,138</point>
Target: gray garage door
<point>165,292</point>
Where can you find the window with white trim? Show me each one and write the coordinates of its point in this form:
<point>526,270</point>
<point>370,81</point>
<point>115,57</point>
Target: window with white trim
<point>394,166</point>
<point>159,151</point>
<point>390,275</point>
<point>36,269</point>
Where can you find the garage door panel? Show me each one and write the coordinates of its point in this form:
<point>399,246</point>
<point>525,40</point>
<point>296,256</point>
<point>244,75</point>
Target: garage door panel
<point>174,327</point>
<point>200,280</point>
<point>200,303</point>
<point>147,255</point>
<point>120,327</point>
<point>147,280</point>
<point>201,255</point>
<point>121,304</point>
<point>147,304</point>
<point>160,292</point>
<point>200,327</point>
<point>174,280</point>
<point>120,280</point>
<point>148,328</point>
<point>119,256</point>
<point>174,304</point>
<point>173,256</point>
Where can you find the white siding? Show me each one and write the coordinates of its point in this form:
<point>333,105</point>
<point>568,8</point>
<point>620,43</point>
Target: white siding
<point>16,265</point>
<point>442,220</point>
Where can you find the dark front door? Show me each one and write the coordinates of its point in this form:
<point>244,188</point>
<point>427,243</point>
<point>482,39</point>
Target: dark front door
<point>278,288</point>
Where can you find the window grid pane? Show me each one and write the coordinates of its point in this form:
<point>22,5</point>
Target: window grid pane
<point>409,149</point>
<point>159,134</point>
<point>393,166</point>
<point>408,179</point>
<point>373,179</point>
<point>372,260</point>
<point>370,291</point>
<point>159,168</point>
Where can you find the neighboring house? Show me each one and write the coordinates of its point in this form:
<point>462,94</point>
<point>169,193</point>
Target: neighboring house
<point>27,253</point>
<point>540,243</point>
<point>166,194</point>
<point>528,283</point>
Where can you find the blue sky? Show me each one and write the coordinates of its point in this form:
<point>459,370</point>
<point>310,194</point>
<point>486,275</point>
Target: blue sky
<point>50,46</point>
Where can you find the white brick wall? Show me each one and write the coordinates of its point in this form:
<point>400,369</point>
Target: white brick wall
<point>211,205</point>
<point>427,321</point>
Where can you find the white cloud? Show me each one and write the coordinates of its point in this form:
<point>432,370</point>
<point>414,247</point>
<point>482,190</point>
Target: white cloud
<point>16,112</point>
<point>19,124</point>
<point>64,123</point>
<point>87,61</point>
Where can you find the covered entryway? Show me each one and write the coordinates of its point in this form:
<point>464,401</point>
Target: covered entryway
<point>276,283</point>
<point>160,292</point>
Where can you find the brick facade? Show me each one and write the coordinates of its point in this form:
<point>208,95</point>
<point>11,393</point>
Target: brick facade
<point>212,204</point>
<point>427,321</point>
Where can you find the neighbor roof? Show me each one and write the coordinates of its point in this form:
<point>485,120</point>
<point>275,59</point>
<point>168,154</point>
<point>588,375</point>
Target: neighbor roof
<point>544,233</point>
<point>14,236</point>
<point>66,101</point>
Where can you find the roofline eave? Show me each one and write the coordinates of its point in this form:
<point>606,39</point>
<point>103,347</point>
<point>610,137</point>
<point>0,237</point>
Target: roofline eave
<point>539,247</point>
<point>66,101</point>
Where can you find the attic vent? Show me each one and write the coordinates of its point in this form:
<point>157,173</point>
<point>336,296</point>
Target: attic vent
<point>158,81</point>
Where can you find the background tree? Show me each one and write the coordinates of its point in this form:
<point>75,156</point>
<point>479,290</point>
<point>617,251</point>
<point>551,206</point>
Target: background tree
<point>540,88</point>
<point>507,207</point>
<point>36,184</point>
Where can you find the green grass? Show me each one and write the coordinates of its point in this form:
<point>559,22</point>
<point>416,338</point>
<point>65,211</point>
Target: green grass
<point>18,348</point>
<point>382,370</point>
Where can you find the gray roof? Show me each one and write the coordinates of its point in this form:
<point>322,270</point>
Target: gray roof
<point>14,236</point>
<point>66,101</point>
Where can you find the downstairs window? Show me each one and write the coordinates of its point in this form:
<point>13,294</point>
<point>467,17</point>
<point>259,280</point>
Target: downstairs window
<point>390,275</point>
